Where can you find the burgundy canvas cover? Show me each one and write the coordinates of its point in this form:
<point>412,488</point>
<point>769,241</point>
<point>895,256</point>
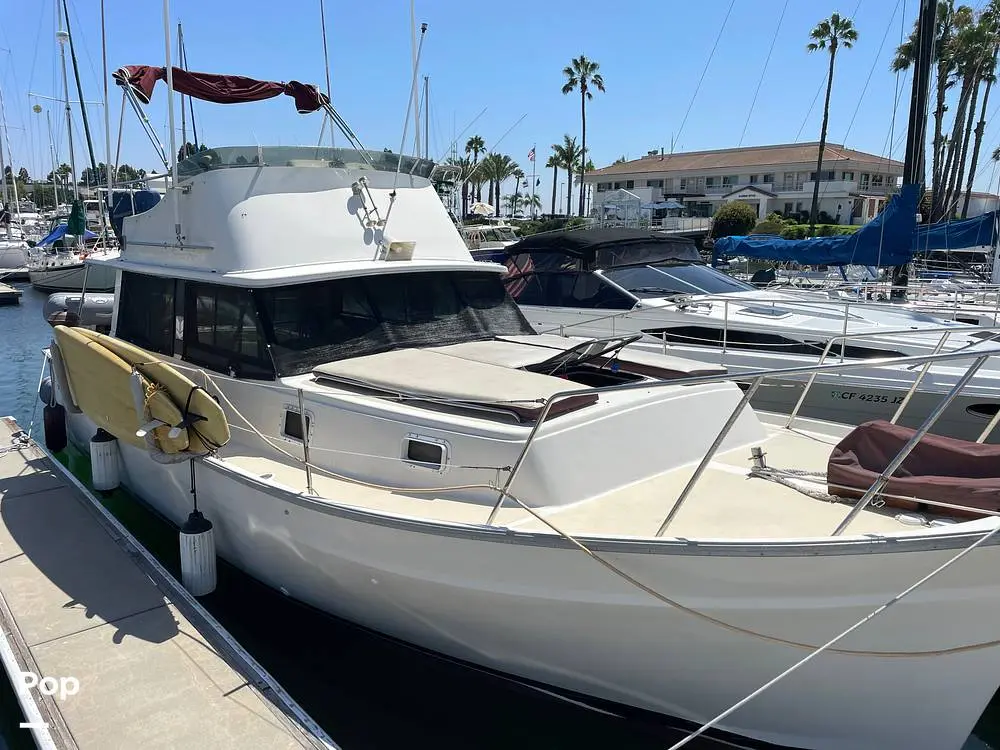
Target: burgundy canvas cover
<point>221,89</point>
<point>939,468</point>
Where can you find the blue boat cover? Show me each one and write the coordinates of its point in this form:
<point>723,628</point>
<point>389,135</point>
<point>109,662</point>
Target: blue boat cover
<point>886,240</point>
<point>954,235</point>
<point>59,232</point>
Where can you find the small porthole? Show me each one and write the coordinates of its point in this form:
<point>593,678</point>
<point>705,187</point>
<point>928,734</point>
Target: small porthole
<point>423,453</point>
<point>987,411</point>
<point>292,427</point>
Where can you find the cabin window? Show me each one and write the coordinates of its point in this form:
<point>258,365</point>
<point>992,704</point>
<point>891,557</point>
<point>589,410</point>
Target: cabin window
<point>146,312</point>
<point>310,324</point>
<point>568,289</point>
<point>221,331</point>
<point>292,426</point>
<point>424,453</point>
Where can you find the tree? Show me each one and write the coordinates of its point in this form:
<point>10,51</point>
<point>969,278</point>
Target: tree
<point>23,176</point>
<point>829,34</point>
<point>532,202</point>
<point>581,74</point>
<point>8,175</point>
<point>476,145</point>
<point>733,218</point>
<point>553,163</point>
<point>63,169</point>
<point>620,160</point>
<point>990,22</point>
<point>497,168</point>
<point>514,202</point>
<point>567,156</point>
<point>465,165</point>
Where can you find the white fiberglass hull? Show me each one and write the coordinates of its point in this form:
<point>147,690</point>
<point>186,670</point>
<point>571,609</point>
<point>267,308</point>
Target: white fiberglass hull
<point>11,255</point>
<point>533,606</point>
<point>70,278</point>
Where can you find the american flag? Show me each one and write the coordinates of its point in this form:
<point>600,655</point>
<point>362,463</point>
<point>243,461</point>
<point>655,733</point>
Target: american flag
<point>531,154</point>
<point>519,282</point>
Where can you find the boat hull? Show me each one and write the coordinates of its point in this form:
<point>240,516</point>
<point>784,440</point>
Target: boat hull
<point>531,605</point>
<point>70,278</point>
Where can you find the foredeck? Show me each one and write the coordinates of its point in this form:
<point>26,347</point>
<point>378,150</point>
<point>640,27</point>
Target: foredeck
<point>726,502</point>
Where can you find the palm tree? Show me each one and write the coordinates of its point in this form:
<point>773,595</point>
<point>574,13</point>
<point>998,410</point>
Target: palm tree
<point>555,165</point>
<point>532,202</point>
<point>581,74</point>
<point>475,145</point>
<point>514,202</point>
<point>830,34</point>
<point>990,22</point>
<point>497,168</point>
<point>566,156</point>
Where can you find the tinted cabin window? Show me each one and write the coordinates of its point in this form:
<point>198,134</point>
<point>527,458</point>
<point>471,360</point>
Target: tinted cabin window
<point>221,331</point>
<point>567,289</point>
<point>146,312</point>
<point>309,324</point>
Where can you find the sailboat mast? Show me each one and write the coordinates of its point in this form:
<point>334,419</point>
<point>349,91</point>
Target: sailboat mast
<point>55,162</point>
<point>79,91</point>
<point>62,36</point>
<point>180,62</point>
<point>108,170</point>
<point>913,159</point>
<point>6,142</point>
<point>427,118</point>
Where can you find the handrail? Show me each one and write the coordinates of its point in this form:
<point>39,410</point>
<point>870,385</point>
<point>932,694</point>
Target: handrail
<point>706,379</point>
<point>897,461</point>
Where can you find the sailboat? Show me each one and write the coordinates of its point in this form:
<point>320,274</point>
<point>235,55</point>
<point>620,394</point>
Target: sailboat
<point>402,450</point>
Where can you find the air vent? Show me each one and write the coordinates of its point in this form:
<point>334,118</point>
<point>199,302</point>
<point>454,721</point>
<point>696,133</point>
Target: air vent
<point>427,453</point>
<point>987,411</point>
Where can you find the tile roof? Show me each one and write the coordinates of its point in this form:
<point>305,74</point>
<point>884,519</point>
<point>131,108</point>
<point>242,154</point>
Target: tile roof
<point>751,156</point>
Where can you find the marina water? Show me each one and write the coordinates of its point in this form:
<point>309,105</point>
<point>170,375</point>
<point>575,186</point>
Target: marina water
<point>366,691</point>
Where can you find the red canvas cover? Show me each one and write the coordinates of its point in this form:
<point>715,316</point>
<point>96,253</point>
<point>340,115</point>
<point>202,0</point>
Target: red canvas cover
<point>221,89</point>
<point>939,468</point>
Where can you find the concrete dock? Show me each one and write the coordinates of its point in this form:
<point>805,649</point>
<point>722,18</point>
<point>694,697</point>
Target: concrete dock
<point>131,659</point>
<point>9,295</point>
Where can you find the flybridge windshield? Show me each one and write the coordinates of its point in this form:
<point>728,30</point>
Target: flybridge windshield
<point>293,156</point>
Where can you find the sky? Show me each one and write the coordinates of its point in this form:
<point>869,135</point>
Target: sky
<point>680,76</point>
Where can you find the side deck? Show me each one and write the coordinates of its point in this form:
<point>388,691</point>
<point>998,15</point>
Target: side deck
<point>81,599</point>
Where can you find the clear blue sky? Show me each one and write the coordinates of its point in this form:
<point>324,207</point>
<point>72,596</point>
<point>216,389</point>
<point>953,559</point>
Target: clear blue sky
<point>507,57</point>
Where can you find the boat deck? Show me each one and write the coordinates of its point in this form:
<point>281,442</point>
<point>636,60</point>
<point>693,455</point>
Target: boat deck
<point>9,295</point>
<point>726,502</point>
<point>79,598</point>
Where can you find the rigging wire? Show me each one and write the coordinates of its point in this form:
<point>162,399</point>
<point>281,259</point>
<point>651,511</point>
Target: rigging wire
<point>864,89</point>
<point>760,81</point>
<point>703,72</point>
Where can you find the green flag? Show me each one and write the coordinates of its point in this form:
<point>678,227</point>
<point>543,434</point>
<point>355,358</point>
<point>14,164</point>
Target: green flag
<point>77,223</point>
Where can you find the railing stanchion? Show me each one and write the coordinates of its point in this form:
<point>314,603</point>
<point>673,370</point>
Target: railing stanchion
<point>520,459</point>
<point>896,462</point>
<point>710,454</point>
<point>843,341</point>
<point>725,325</point>
<point>304,424</point>
<point>919,380</point>
<point>989,428</point>
<point>809,384</point>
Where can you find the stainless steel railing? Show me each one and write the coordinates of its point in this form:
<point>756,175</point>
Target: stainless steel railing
<point>756,378</point>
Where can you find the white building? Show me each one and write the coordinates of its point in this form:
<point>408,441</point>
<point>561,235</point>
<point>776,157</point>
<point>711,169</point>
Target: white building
<point>853,186</point>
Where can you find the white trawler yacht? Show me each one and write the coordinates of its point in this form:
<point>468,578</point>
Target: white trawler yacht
<point>422,494</point>
<point>618,282</point>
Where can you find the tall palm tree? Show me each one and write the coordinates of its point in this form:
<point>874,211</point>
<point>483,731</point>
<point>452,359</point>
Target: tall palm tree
<point>532,202</point>
<point>497,168</point>
<point>990,21</point>
<point>567,156</point>
<point>581,75</point>
<point>476,145</point>
<point>829,34</point>
<point>555,165</point>
<point>514,202</point>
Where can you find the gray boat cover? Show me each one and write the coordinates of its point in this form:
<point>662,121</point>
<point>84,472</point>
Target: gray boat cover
<point>939,468</point>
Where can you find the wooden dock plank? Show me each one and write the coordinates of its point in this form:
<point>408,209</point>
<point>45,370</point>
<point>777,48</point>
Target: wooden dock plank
<point>76,602</point>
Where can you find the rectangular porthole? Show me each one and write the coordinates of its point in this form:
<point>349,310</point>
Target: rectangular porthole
<point>292,427</point>
<point>424,453</point>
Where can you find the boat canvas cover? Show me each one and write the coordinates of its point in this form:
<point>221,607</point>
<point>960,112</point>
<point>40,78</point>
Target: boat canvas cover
<point>939,468</point>
<point>58,233</point>
<point>221,89</point>
<point>884,241</point>
<point>600,248</point>
<point>954,235</point>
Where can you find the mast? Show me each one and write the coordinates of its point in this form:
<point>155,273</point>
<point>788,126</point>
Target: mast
<point>3,171</point>
<point>427,118</point>
<point>180,62</point>
<point>79,91</point>
<point>108,169</point>
<point>416,105</point>
<point>913,160</point>
<point>326,64</point>
<point>3,176</point>
<point>170,111</point>
<point>183,62</point>
<point>62,37</point>
<point>55,163</point>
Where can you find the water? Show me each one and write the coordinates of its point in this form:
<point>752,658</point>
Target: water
<point>367,692</point>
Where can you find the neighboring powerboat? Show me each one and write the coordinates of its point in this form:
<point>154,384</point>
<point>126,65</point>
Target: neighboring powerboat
<point>613,282</point>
